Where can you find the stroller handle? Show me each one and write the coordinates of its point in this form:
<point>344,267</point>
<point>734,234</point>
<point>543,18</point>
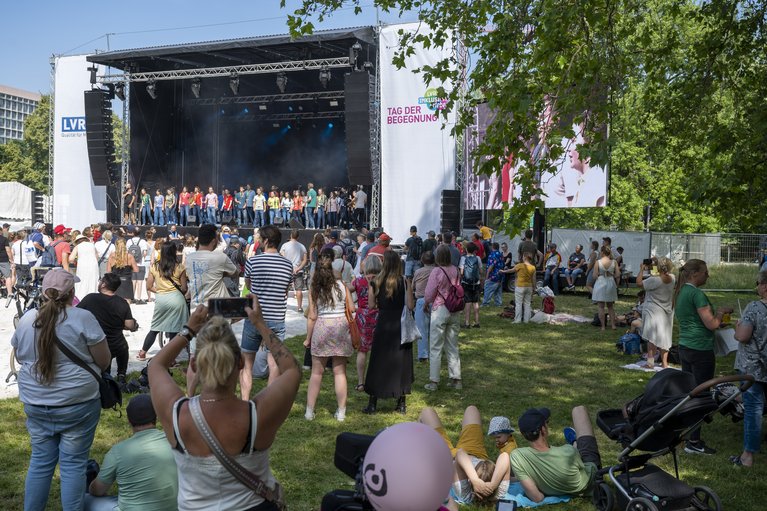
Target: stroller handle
<point>746,379</point>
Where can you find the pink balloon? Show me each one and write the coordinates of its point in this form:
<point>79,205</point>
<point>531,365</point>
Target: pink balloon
<point>408,467</point>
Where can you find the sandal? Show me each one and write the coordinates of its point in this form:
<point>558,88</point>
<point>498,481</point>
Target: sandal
<point>360,387</point>
<point>735,460</point>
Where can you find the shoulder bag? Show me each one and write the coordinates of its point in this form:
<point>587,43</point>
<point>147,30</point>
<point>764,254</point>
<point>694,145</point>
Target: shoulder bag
<point>111,396</point>
<point>246,477</point>
<point>408,329</point>
<point>354,330</point>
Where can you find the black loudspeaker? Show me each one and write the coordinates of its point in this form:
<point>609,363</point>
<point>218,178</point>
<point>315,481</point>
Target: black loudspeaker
<point>279,221</point>
<point>450,210</point>
<point>98,131</point>
<point>357,87</point>
<point>295,224</point>
<point>38,207</point>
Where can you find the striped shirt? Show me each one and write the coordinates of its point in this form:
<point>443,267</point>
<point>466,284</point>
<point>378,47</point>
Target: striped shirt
<point>270,276</point>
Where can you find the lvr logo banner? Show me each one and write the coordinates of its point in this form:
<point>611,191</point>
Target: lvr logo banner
<point>72,124</point>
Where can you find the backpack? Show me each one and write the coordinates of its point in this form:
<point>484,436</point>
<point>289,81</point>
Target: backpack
<point>454,301</point>
<point>629,344</point>
<point>548,305</point>
<point>471,270</point>
<point>416,249</point>
<point>349,255</point>
<point>134,249</point>
<point>48,259</point>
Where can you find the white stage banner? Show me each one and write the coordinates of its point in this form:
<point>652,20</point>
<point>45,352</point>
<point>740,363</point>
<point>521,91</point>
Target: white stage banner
<point>417,155</point>
<point>77,202</point>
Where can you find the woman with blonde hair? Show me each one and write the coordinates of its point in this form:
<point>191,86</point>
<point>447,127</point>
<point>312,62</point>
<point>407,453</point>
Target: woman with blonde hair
<point>390,370</point>
<point>327,333</point>
<point>245,429</point>
<point>697,323</point>
<point>61,399</point>
<point>124,265</point>
<point>605,291</point>
<point>657,311</point>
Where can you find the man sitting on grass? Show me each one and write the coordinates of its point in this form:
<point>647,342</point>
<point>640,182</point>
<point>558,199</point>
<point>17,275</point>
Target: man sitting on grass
<point>544,470</point>
<point>143,467</point>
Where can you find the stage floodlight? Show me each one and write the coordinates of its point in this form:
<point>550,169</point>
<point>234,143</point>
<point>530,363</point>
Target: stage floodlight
<point>325,76</point>
<point>282,82</point>
<point>354,53</point>
<point>275,125</point>
<point>330,125</point>
<point>196,86</point>
<point>234,83</point>
<point>262,107</point>
<point>93,70</point>
<point>120,90</point>
<point>367,66</point>
<point>333,102</point>
<point>151,89</point>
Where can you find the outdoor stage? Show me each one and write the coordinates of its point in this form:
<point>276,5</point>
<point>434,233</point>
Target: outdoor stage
<point>305,236</point>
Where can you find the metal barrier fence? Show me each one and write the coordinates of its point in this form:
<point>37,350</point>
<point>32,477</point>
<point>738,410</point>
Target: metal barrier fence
<point>712,248</point>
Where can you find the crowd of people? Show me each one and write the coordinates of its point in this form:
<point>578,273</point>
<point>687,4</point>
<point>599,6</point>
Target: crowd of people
<point>244,205</point>
<point>359,293</point>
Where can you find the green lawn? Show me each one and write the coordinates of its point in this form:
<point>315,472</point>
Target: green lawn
<point>506,369</point>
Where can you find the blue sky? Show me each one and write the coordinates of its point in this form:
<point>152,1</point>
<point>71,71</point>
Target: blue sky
<point>31,35</point>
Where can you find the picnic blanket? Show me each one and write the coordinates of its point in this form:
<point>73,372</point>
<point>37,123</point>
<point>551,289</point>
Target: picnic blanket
<point>558,319</point>
<point>517,494</point>
<point>639,366</point>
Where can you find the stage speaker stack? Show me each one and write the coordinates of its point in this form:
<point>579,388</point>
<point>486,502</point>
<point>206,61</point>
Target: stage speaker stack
<point>295,224</point>
<point>450,211</point>
<point>357,87</point>
<point>98,131</point>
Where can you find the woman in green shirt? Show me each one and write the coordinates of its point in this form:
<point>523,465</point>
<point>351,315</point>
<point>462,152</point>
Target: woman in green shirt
<point>697,323</point>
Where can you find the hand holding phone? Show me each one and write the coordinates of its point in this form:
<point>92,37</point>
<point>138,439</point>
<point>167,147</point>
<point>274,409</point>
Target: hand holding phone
<point>230,308</point>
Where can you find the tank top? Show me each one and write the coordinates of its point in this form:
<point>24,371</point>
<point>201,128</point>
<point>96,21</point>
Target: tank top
<point>336,309</point>
<point>203,483</point>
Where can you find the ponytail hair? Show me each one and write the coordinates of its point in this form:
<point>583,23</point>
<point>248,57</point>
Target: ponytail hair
<point>665,265</point>
<point>217,353</point>
<point>685,274</point>
<point>48,315</point>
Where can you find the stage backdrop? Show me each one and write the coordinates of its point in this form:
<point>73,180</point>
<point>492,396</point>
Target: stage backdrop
<point>76,201</point>
<point>417,155</point>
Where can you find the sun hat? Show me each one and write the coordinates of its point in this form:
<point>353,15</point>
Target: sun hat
<point>499,425</point>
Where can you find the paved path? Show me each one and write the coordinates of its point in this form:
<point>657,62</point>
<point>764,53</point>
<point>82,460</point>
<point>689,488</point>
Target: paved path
<point>295,324</point>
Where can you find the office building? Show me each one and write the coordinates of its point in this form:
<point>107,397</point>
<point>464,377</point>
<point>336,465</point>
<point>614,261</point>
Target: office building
<point>15,106</point>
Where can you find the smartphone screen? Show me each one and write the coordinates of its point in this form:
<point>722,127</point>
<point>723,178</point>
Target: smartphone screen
<point>506,505</point>
<point>228,307</point>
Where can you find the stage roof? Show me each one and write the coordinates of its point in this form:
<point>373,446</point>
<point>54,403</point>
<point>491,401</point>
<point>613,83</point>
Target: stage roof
<point>253,50</point>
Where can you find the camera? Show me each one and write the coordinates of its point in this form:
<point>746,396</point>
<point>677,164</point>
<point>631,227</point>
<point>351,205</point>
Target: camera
<point>647,262</point>
<point>349,457</point>
<point>506,505</point>
<point>228,307</point>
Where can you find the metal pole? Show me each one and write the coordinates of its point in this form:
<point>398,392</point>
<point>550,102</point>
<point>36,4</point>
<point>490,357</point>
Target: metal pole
<point>51,129</point>
<point>125,167</point>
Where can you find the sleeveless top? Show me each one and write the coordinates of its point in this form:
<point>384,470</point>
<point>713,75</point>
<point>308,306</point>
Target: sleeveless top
<point>338,308</point>
<point>204,484</point>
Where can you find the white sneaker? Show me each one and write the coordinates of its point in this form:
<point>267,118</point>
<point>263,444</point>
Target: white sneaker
<point>340,414</point>
<point>309,415</point>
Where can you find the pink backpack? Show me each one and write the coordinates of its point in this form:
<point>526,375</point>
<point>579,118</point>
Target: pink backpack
<point>454,300</point>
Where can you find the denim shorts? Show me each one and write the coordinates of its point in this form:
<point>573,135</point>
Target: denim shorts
<point>251,337</point>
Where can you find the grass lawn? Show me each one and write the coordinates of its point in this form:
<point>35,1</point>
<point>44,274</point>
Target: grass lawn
<point>506,369</point>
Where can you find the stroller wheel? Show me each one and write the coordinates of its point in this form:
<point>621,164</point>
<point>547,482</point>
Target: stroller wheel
<point>603,498</point>
<point>641,504</point>
<point>706,500</point>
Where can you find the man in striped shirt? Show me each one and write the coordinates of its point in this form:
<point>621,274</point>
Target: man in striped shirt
<point>268,276</point>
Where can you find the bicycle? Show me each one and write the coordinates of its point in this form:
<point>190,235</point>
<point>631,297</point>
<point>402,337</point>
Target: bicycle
<point>27,294</point>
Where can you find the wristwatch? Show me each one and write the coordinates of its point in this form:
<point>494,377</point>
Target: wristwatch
<point>186,333</point>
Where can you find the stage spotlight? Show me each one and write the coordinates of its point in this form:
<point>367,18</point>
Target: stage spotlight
<point>282,82</point>
<point>234,84</point>
<point>325,76</point>
<point>262,107</point>
<point>93,70</point>
<point>120,90</point>
<point>196,86</point>
<point>289,126</point>
<point>290,108</point>
<point>333,103</point>
<point>275,125</point>
<point>246,110</point>
<point>330,125</point>
<point>354,53</point>
<point>367,66</point>
<point>151,89</point>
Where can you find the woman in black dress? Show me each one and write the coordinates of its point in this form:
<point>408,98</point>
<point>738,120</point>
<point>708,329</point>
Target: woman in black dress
<point>390,371</point>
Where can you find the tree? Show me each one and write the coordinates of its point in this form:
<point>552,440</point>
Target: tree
<point>26,161</point>
<point>693,69</point>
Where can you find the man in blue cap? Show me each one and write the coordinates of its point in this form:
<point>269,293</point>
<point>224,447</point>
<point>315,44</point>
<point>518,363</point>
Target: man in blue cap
<point>544,470</point>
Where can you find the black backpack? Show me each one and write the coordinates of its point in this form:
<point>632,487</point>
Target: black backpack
<point>134,249</point>
<point>416,249</point>
<point>471,270</point>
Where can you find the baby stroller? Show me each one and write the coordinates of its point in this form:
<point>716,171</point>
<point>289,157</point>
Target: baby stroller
<point>657,422</point>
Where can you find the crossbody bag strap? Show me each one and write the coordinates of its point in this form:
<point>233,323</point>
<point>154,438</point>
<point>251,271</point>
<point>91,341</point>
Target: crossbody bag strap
<point>101,259</point>
<point>74,358</point>
<point>448,279</point>
<point>244,476</point>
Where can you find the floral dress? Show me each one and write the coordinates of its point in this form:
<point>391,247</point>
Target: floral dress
<point>366,317</point>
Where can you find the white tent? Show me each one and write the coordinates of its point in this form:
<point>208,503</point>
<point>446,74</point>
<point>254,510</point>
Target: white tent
<point>15,204</point>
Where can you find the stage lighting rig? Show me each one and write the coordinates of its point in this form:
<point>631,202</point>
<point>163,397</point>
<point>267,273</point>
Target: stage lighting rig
<point>196,86</point>
<point>325,76</point>
<point>151,89</point>
<point>282,82</point>
<point>367,66</point>
<point>120,90</point>
<point>234,83</point>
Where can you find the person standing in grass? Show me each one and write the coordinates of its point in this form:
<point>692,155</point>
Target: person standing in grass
<point>422,318</point>
<point>605,291</point>
<point>366,316</point>
<point>493,279</point>
<point>523,288</point>
<point>444,326</point>
<point>751,332</point>
<point>697,323</point>
<point>61,399</point>
<point>471,270</point>
<point>657,312</point>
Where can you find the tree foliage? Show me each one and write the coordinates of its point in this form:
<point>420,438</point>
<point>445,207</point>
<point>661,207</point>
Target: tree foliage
<point>681,84</point>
